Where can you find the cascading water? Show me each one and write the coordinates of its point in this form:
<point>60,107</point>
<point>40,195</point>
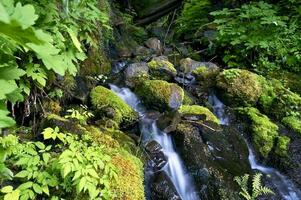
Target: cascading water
<point>285,187</point>
<point>149,130</point>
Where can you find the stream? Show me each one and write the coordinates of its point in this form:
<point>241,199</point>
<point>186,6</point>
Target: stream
<point>285,187</point>
<point>149,130</point>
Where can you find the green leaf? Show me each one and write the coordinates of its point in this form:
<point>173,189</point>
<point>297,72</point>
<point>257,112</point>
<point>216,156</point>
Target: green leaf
<point>40,145</point>
<point>7,86</point>
<point>45,189</point>
<point>11,73</point>
<point>81,184</point>
<point>22,174</point>
<point>25,185</point>
<point>14,195</point>
<point>37,188</point>
<point>67,169</point>
<point>46,157</point>
<point>6,121</point>
<point>24,15</point>
<point>74,39</point>
<point>4,17</point>
<point>47,133</point>
<point>7,189</point>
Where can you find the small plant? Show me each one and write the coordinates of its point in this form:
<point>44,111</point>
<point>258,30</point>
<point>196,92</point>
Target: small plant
<point>257,188</point>
<point>81,115</point>
<point>50,133</point>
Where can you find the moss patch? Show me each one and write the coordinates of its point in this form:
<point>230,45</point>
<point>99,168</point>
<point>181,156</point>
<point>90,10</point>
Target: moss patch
<point>264,132</point>
<point>161,94</point>
<point>241,86</point>
<point>282,146</point>
<point>293,122</point>
<point>106,101</point>
<point>162,69</point>
<point>129,185</point>
<point>198,110</point>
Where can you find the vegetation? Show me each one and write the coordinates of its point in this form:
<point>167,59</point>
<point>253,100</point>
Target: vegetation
<point>199,111</point>
<point>256,190</point>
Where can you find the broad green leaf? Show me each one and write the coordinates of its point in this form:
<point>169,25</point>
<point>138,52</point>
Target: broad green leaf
<point>24,15</point>
<point>47,133</point>
<point>4,17</point>
<point>37,188</point>
<point>67,169</point>
<point>25,185</point>
<point>81,184</point>
<point>7,86</point>
<point>6,121</point>
<point>14,195</point>
<point>7,189</point>
<point>46,157</point>
<point>40,145</point>
<point>74,39</point>
<point>45,189</point>
<point>22,174</point>
<point>11,73</point>
<point>15,96</point>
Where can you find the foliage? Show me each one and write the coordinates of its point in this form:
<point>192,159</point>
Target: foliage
<point>257,35</point>
<point>36,38</point>
<point>256,190</point>
<point>81,115</point>
<point>81,166</point>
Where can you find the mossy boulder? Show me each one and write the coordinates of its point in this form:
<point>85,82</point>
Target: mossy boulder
<point>160,94</point>
<point>240,86</point>
<point>188,65</point>
<point>282,146</point>
<point>293,122</point>
<point>206,74</point>
<point>161,68</point>
<point>136,73</point>
<point>108,105</point>
<point>129,185</point>
<point>196,110</point>
<point>264,131</point>
<point>188,99</point>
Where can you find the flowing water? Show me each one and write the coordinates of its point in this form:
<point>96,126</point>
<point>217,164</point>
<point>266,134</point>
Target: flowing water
<point>285,187</point>
<point>149,130</point>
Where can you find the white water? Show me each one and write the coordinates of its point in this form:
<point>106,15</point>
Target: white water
<point>285,187</point>
<point>149,130</point>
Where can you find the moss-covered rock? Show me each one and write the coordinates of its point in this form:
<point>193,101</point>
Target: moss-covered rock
<point>136,73</point>
<point>206,75</point>
<point>240,86</point>
<point>129,185</point>
<point>282,146</point>
<point>160,94</point>
<point>198,111</point>
<point>107,104</point>
<point>188,99</point>
<point>293,122</point>
<point>264,131</point>
<point>161,68</point>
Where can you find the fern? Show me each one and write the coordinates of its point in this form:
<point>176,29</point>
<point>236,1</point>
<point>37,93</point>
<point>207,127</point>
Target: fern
<point>257,188</point>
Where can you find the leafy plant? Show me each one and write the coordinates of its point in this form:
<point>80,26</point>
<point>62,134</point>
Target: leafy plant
<point>256,190</point>
<point>80,115</point>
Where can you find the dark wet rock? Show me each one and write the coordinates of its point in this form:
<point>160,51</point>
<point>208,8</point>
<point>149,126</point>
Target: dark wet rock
<point>142,51</point>
<point>168,121</point>
<point>161,68</point>
<point>135,73</point>
<point>185,79</point>
<point>162,187</point>
<point>207,148</point>
<point>155,45</point>
<point>155,151</point>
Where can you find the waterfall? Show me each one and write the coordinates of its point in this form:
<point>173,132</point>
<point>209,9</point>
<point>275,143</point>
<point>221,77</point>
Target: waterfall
<point>149,130</point>
<point>285,187</point>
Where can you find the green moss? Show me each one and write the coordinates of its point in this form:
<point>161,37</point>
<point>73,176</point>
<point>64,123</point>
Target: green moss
<point>129,185</point>
<point>200,70</point>
<point>187,99</point>
<point>162,69</point>
<point>240,86</point>
<point>198,110</point>
<point>282,145</point>
<point>161,94</point>
<point>293,122</point>
<point>103,98</point>
<point>264,132</point>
